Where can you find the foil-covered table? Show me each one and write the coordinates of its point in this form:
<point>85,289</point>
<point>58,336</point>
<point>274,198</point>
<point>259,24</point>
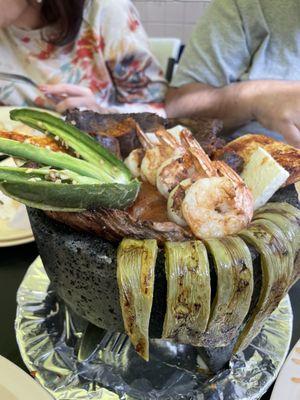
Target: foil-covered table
<point>49,342</point>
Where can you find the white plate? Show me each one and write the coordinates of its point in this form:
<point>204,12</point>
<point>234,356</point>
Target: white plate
<point>15,384</point>
<point>288,383</point>
<point>6,124</point>
<point>11,243</point>
<point>15,227</point>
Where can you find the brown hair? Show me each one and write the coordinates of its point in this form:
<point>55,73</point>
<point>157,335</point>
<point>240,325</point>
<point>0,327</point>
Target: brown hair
<point>68,14</point>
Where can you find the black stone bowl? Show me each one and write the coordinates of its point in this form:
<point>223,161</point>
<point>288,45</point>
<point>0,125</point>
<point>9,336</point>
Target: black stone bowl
<point>82,268</point>
<point>83,271</point>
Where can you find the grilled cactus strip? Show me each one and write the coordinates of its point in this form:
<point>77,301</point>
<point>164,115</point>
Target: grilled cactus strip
<point>277,264</point>
<point>234,270</point>
<point>189,292</point>
<point>88,148</point>
<point>135,274</point>
<point>51,158</point>
<point>51,196</point>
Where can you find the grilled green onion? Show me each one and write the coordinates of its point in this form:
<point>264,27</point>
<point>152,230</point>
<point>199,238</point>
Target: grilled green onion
<point>234,270</point>
<point>135,273</point>
<point>287,218</point>
<point>189,291</point>
<point>13,174</point>
<point>277,264</point>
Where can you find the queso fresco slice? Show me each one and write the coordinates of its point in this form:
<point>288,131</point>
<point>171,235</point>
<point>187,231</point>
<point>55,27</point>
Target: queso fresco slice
<point>264,176</point>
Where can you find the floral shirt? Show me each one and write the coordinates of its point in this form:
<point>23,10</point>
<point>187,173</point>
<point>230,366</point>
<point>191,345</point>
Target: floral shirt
<point>110,55</point>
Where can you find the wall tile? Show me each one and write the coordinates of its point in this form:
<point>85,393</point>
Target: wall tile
<point>156,11</point>
<point>174,11</point>
<point>174,30</point>
<point>193,11</point>
<point>175,18</point>
<point>156,29</point>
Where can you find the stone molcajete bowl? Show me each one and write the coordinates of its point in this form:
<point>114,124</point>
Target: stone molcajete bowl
<point>82,269</point>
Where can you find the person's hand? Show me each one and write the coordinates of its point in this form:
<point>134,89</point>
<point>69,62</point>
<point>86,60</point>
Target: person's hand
<point>71,96</point>
<point>276,106</point>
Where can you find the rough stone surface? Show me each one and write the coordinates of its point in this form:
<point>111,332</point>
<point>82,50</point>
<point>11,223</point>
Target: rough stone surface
<point>83,271</point>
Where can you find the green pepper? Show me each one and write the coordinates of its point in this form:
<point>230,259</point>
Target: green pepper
<point>65,183</point>
<point>83,144</point>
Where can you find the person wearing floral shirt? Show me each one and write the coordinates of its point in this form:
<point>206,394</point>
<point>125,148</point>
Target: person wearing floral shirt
<point>82,53</point>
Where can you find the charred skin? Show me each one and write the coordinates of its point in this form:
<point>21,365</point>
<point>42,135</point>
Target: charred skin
<point>147,218</point>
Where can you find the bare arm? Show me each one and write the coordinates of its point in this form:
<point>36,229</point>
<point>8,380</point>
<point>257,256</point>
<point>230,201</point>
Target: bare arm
<point>275,104</point>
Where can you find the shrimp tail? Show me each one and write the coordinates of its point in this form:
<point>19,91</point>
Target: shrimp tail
<point>225,170</point>
<point>167,138</point>
<point>192,145</point>
<point>143,138</point>
<point>245,195</point>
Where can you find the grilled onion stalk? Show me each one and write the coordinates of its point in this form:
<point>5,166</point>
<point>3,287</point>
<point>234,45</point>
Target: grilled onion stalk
<point>96,180</point>
<point>189,292</point>
<point>135,274</point>
<point>234,270</point>
<point>277,264</point>
<point>287,218</point>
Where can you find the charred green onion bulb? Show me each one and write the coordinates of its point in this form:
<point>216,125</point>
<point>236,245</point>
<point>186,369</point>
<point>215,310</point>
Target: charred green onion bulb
<point>236,313</point>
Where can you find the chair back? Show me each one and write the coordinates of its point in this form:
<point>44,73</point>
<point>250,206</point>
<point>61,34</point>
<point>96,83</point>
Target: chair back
<point>167,52</point>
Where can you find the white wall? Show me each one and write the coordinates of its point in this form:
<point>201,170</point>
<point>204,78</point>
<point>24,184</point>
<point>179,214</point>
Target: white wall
<point>170,18</point>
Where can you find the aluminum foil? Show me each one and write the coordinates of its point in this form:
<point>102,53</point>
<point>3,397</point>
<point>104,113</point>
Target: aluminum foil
<point>49,337</point>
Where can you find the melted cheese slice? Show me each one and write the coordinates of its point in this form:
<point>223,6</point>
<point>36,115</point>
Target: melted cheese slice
<point>264,176</point>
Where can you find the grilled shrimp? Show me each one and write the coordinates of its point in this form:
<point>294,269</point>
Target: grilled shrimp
<point>133,162</point>
<point>162,146</point>
<point>193,164</point>
<point>175,200</point>
<point>207,196</point>
<point>218,206</point>
<point>173,171</point>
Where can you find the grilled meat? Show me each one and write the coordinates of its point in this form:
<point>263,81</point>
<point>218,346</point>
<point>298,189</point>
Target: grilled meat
<point>146,218</point>
<point>287,156</point>
<point>205,130</point>
<point>110,143</point>
<point>234,161</point>
<point>123,126</point>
